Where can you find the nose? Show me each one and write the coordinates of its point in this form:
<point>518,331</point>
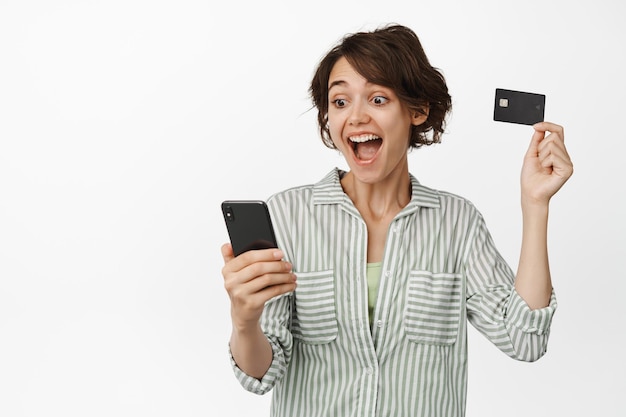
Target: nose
<point>358,114</point>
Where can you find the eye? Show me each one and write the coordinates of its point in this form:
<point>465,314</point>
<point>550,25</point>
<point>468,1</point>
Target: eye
<point>339,102</point>
<point>380,100</point>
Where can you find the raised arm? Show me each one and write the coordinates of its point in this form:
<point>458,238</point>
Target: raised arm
<point>547,166</point>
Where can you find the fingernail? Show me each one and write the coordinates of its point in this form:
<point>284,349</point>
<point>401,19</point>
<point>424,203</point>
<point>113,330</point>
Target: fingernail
<point>278,254</point>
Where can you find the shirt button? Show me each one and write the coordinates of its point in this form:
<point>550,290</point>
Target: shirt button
<point>387,273</point>
<point>379,323</point>
<point>369,371</point>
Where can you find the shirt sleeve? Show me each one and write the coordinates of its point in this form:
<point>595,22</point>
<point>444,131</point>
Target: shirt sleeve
<point>274,323</point>
<point>495,309</point>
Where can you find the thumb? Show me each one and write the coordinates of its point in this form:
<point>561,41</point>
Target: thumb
<point>533,148</point>
<point>227,252</point>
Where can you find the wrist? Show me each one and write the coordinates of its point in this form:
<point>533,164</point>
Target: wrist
<point>534,206</point>
<point>534,218</point>
<point>246,328</point>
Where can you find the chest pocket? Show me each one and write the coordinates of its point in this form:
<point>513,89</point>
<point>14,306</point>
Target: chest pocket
<point>315,315</point>
<point>433,307</point>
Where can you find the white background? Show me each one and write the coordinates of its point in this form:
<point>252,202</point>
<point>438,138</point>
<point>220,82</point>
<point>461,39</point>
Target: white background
<point>124,124</point>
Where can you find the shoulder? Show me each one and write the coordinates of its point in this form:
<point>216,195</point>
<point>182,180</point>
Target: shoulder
<point>291,206</point>
<point>328,187</point>
<point>435,198</point>
<point>454,199</point>
<point>291,195</point>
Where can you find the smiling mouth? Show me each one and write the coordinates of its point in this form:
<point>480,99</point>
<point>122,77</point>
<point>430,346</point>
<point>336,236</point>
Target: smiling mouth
<point>365,147</point>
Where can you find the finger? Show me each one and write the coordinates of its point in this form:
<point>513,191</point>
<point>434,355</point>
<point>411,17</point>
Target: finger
<point>556,135</point>
<point>262,282</point>
<point>553,143</point>
<point>246,293</point>
<point>552,147</point>
<point>250,257</point>
<point>275,290</point>
<point>260,269</point>
<point>533,147</point>
<point>259,298</point>
<point>227,252</point>
<point>558,164</point>
<point>550,127</point>
<point>260,274</point>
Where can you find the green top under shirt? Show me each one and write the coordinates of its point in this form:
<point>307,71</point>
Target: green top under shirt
<point>373,277</point>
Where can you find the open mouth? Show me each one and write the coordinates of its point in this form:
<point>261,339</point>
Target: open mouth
<point>365,147</point>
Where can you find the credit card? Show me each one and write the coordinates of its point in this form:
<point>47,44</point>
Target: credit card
<point>518,107</point>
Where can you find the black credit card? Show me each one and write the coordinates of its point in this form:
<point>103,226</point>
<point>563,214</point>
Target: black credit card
<point>518,107</point>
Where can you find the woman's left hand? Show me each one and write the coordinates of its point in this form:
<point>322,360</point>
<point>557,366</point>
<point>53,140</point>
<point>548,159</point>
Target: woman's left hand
<point>547,165</point>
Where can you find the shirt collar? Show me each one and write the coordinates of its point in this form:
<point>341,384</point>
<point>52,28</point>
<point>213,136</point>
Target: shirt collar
<point>329,191</point>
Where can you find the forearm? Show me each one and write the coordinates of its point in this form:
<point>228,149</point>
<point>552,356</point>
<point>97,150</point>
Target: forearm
<point>533,282</point>
<point>251,351</point>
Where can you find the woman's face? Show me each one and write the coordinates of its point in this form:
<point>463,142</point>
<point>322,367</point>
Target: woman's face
<point>368,124</point>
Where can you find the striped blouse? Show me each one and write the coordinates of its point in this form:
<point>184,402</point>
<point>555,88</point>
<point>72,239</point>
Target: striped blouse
<point>440,269</point>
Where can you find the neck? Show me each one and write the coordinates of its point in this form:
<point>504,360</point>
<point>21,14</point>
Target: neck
<point>381,199</point>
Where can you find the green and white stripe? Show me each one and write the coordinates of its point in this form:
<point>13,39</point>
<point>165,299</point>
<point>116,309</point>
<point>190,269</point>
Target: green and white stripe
<point>440,270</point>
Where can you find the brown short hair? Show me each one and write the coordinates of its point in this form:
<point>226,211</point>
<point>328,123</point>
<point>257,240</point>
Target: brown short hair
<point>391,56</point>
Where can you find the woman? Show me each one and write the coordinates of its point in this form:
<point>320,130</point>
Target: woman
<point>372,245</point>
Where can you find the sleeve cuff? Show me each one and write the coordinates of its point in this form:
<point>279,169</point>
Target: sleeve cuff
<point>537,321</point>
<point>270,378</point>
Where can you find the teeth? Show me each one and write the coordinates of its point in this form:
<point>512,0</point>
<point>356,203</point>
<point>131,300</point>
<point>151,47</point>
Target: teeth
<point>363,138</point>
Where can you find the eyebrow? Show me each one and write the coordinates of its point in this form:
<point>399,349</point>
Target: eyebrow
<point>336,83</point>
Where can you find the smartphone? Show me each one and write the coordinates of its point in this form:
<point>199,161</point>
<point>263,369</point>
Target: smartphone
<point>249,225</point>
<point>518,107</point>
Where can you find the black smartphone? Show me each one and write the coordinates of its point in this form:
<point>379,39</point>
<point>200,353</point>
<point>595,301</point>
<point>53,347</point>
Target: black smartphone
<point>249,225</point>
<point>518,107</point>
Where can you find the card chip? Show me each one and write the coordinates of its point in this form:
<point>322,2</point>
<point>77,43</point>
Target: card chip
<point>504,102</point>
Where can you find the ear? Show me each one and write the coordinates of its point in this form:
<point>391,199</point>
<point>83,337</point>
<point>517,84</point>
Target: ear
<point>419,116</point>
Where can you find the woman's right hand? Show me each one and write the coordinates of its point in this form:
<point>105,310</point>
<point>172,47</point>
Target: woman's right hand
<point>253,278</point>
